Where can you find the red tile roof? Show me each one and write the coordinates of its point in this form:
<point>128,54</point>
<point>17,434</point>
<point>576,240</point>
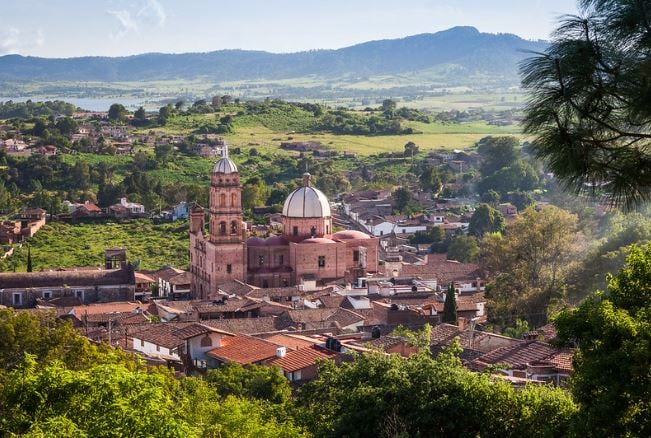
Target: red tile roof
<point>519,355</point>
<point>244,350</point>
<point>303,358</point>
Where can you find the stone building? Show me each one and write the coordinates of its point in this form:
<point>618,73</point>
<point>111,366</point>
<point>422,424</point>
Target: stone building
<point>307,248</point>
<point>87,285</point>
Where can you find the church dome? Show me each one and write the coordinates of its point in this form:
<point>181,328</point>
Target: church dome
<point>306,201</point>
<point>350,235</point>
<point>225,165</point>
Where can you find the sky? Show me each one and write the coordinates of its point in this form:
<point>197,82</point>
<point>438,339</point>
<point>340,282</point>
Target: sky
<point>68,28</point>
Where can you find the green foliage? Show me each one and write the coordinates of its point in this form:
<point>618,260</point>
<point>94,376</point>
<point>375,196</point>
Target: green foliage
<point>416,338</point>
<point>521,327</point>
<point>430,179</point>
<point>117,112</point>
<point>531,264</point>
<point>378,395</point>
<point>256,381</point>
<point>589,101</point>
<point>29,109</point>
<point>450,306</point>
<point>498,152</point>
<point>608,254</point>
<point>67,245</point>
<point>486,219</point>
<point>401,197</point>
<point>611,380</point>
<point>49,339</point>
<point>463,249</point>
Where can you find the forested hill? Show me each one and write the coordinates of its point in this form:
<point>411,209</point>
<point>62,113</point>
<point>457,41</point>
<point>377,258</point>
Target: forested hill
<point>461,52</point>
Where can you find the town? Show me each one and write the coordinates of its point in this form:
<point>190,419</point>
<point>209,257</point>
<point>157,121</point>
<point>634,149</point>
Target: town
<point>332,220</point>
<point>317,279</point>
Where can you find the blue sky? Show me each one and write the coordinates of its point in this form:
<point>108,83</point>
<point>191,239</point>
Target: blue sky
<point>64,28</point>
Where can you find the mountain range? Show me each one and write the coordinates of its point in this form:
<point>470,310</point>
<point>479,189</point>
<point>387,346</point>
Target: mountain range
<point>465,50</point>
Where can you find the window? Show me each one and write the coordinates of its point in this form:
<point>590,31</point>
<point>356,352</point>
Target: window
<point>80,294</point>
<point>295,231</point>
<point>285,282</point>
<point>260,260</point>
<point>206,341</point>
<point>229,269</point>
<point>281,260</point>
<point>222,227</point>
<point>142,342</point>
<point>233,200</point>
<point>17,298</point>
<point>327,229</point>
<point>222,200</point>
<point>47,294</point>
<point>234,227</point>
<point>158,348</point>
<point>265,284</point>
<point>356,256</point>
<point>321,261</point>
<point>313,231</point>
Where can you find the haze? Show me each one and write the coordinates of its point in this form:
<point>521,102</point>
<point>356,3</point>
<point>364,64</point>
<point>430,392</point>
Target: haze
<point>68,28</point>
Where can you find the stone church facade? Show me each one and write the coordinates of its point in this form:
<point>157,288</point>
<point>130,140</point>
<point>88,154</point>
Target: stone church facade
<point>307,248</point>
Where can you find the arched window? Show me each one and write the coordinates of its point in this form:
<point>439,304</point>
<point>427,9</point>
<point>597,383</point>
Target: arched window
<point>233,200</point>
<point>313,231</point>
<point>222,200</point>
<point>206,341</point>
<point>234,227</point>
<point>222,227</point>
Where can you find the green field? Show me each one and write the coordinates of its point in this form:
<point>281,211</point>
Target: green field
<point>68,245</point>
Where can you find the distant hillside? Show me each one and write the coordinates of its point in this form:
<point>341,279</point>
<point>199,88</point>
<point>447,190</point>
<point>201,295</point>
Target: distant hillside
<point>463,50</point>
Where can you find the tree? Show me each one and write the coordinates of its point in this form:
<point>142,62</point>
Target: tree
<point>486,219</point>
<point>164,113</point>
<point>256,381</point>
<point>30,268</point>
<point>491,197</point>
<point>463,249</point>
<point>388,107</point>
<point>430,179</point>
<point>531,263</point>
<point>611,380</point>
<point>497,152</point>
<point>450,306</point>
<point>411,149</point>
<point>254,193</point>
<point>164,153</point>
<point>117,112</point>
<point>387,395</point>
<point>140,116</point>
<point>67,126</point>
<point>589,101</point>
<point>401,198</point>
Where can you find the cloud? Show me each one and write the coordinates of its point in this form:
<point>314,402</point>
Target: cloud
<point>150,13</point>
<point>126,22</point>
<point>152,9</point>
<point>13,40</point>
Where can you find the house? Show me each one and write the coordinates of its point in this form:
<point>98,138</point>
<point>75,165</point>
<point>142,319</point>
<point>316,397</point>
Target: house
<point>242,349</point>
<point>162,277</point>
<point>180,211</point>
<point>508,209</point>
<point>87,209</point>
<point>144,284</point>
<point>126,209</point>
<point>187,343</point>
<point>21,289</point>
<point>532,360</point>
<point>301,365</point>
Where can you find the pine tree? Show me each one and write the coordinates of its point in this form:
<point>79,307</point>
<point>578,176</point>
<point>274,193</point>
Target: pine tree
<point>450,306</point>
<point>29,259</point>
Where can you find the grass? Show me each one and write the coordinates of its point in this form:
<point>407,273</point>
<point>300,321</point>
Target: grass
<point>68,245</point>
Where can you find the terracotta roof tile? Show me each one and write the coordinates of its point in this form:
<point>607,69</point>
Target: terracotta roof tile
<point>303,358</point>
<point>517,356</point>
<point>248,326</point>
<point>244,350</point>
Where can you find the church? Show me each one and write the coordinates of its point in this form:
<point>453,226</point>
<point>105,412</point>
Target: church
<point>306,250</point>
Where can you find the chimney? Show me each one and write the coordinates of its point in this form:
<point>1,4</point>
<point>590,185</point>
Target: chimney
<point>281,351</point>
<point>461,323</point>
